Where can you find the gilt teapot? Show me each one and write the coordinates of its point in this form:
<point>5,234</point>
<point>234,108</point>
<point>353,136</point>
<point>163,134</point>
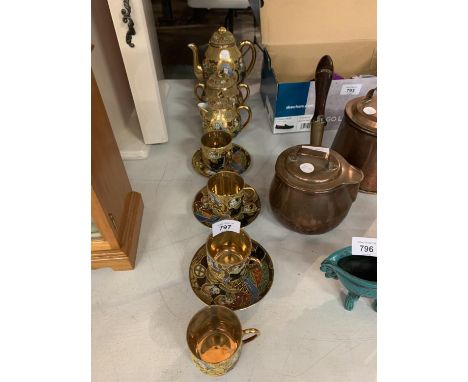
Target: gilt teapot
<point>223,55</point>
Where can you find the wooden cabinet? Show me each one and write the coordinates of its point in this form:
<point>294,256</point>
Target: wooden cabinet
<point>116,210</point>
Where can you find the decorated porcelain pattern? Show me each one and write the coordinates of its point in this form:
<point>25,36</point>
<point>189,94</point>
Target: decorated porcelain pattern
<point>240,161</point>
<point>220,368</point>
<point>207,214</point>
<point>238,294</point>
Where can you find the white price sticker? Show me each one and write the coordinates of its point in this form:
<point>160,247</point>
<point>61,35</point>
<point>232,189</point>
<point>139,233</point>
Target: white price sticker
<point>326,150</point>
<point>351,89</point>
<point>225,225</point>
<point>307,167</point>
<point>364,246</point>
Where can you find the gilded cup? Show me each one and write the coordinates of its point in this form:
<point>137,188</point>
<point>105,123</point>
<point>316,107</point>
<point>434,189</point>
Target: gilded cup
<point>216,149</point>
<point>215,339</point>
<point>226,191</point>
<point>228,256</point>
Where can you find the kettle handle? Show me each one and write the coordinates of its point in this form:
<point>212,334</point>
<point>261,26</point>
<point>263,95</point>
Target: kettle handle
<point>323,79</point>
<point>369,95</point>
<point>315,151</point>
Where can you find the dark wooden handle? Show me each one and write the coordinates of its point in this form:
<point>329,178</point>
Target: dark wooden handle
<point>323,79</point>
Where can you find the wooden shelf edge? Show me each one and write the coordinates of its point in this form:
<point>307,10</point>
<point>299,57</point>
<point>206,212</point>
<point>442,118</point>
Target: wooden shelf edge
<point>123,259</point>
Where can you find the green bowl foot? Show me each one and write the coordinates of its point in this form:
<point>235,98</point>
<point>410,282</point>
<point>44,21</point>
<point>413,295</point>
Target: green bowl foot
<point>351,298</point>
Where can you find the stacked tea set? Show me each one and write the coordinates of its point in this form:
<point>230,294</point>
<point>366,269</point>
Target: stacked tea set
<point>312,191</point>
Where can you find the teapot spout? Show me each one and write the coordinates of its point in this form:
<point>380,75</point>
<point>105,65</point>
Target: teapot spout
<point>203,109</point>
<point>197,68</point>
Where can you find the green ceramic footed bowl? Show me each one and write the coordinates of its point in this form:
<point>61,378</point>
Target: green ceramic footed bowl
<point>358,274</point>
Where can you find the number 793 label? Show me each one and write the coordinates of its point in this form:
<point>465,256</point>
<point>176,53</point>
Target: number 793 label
<point>364,246</point>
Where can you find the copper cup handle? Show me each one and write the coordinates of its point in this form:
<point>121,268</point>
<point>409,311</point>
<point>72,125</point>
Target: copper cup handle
<point>249,116</point>
<point>195,90</point>
<point>253,331</point>
<point>254,54</point>
<point>247,91</point>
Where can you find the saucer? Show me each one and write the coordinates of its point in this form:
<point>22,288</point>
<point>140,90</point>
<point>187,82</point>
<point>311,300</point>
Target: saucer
<point>239,163</point>
<point>202,209</point>
<point>252,288</point>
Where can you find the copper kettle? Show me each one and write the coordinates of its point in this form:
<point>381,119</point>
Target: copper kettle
<point>356,138</point>
<point>314,187</point>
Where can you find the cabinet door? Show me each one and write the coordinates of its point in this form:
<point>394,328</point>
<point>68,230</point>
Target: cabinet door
<point>109,182</point>
<point>143,66</point>
<point>116,210</point>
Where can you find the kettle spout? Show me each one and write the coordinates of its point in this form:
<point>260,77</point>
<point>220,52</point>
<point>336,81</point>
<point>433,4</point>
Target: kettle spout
<point>197,68</point>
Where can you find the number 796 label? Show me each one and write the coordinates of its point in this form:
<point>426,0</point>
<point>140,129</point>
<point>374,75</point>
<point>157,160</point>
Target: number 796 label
<point>364,246</point>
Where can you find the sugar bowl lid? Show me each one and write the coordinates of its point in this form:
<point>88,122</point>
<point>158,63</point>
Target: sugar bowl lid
<point>362,112</point>
<point>222,37</point>
<point>315,169</point>
<point>222,81</point>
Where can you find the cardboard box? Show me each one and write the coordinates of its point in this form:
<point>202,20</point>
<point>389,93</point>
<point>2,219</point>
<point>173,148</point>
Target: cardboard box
<point>296,34</point>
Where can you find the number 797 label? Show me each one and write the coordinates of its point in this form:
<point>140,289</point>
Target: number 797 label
<point>225,225</point>
<point>364,246</point>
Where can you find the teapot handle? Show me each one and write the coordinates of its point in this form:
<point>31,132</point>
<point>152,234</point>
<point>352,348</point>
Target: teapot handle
<point>250,46</point>
<point>195,90</point>
<point>247,91</point>
<point>249,116</point>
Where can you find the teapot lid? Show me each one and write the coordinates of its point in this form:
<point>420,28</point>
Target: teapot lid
<point>315,169</point>
<point>222,37</point>
<point>222,81</point>
<point>362,112</point>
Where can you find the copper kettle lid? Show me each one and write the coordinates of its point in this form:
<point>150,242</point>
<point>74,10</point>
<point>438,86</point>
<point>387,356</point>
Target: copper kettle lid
<point>315,169</point>
<point>222,37</point>
<point>362,112</point>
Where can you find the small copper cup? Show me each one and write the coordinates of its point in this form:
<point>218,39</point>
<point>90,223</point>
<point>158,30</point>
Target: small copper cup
<point>216,149</point>
<point>214,337</point>
<point>226,190</point>
<point>228,255</point>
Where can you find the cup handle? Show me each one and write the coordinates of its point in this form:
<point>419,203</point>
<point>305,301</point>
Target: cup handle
<point>229,157</point>
<point>256,261</point>
<point>195,90</point>
<point>253,331</point>
<point>251,189</point>
<point>246,94</point>
<point>249,116</point>
<point>250,46</point>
